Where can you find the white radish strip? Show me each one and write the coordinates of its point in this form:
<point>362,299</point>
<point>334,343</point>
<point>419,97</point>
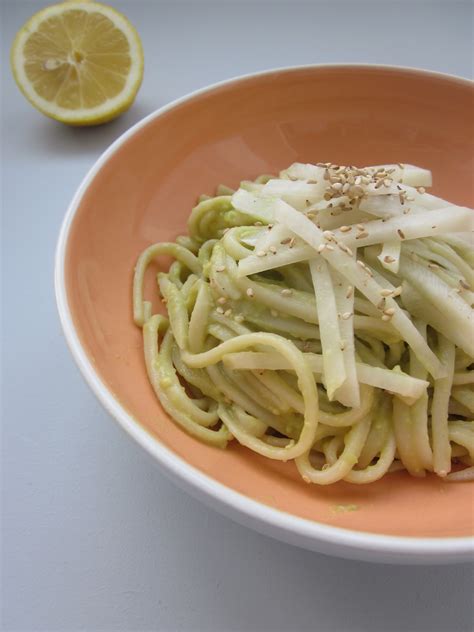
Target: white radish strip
<point>409,174</point>
<point>331,341</point>
<point>270,237</point>
<point>443,297</point>
<point>285,256</point>
<point>359,277</point>
<point>299,194</point>
<point>420,307</point>
<point>439,410</point>
<point>409,388</point>
<point>390,256</point>
<point>427,224</point>
<point>303,171</point>
<point>348,394</point>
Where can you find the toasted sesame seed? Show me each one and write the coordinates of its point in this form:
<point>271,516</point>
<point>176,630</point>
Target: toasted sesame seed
<point>239,318</point>
<point>225,230</point>
<point>360,263</point>
<point>342,345</point>
<point>285,241</point>
<point>250,293</point>
<point>310,215</point>
<point>327,234</point>
<point>220,268</point>
<point>219,310</point>
<point>385,317</point>
<point>346,315</point>
<point>292,242</point>
<point>270,226</point>
<point>258,224</point>
<point>389,312</point>
<point>433,266</point>
<point>261,253</point>
<point>399,164</point>
<point>360,227</point>
<point>389,259</point>
<point>321,248</point>
<point>401,233</point>
<point>286,292</point>
<point>421,190</point>
<point>397,291</point>
<point>345,229</point>
<point>434,227</point>
<point>363,234</point>
<point>385,292</point>
<point>329,247</point>
<point>350,291</point>
<point>387,182</point>
<point>406,210</point>
<point>381,304</point>
<point>273,250</point>
<point>221,300</point>
<point>228,312</point>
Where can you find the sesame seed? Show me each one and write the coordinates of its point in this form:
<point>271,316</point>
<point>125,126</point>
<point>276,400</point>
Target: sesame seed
<point>421,190</point>
<point>346,315</point>
<point>228,312</point>
<point>401,233</point>
<point>464,285</point>
<point>360,263</point>
<point>329,247</point>
<point>350,291</point>
<point>406,210</point>
<point>397,291</point>
<point>274,313</point>
<point>434,227</point>
<point>385,317</point>
<point>360,227</point>
<point>258,224</point>
<point>389,312</point>
<point>292,242</point>
<point>239,318</point>
<point>363,234</point>
<point>220,268</point>
<point>386,292</point>
<point>381,304</point>
<point>273,250</point>
<point>225,230</point>
<point>342,345</point>
<point>387,182</point>
<point>433,266</point>
<point>321,248</point>
<point>221,300</point>
<point>345,229</point>
<point>219,310</point>
<point>327,234</point>
<point>261,253</point>
<point>399,164</point>
<point>389,259</point>
<point>250,293</point>
<point>270,226</point>
<point>285,241</point>
<point>286,292</point>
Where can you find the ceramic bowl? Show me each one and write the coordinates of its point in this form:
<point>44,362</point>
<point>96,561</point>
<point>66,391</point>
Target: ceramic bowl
<point>141,191</point>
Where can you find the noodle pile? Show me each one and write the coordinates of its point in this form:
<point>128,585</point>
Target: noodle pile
<point>324,316</point>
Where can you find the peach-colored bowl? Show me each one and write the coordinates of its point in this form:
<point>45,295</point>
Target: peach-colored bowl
<point>141,191</point>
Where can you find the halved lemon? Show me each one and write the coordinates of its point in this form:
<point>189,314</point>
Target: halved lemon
<point>78,62</point>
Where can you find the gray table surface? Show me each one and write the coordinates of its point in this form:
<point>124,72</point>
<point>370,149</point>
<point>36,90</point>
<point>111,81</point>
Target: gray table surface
<point>93,536</point>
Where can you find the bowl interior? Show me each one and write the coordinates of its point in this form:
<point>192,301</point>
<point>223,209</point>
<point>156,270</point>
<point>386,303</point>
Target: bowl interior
<point>145,190</point>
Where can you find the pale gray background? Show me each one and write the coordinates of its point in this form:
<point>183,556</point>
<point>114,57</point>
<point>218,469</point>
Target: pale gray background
<point>93,536</point>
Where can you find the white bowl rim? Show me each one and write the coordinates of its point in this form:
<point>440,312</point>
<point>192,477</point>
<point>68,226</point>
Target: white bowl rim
<point>279,524</point>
